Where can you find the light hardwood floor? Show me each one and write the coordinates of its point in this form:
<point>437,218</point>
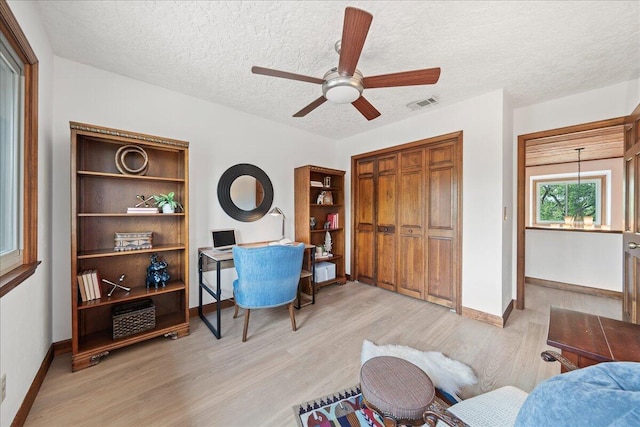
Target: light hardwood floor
<point>200,381</point>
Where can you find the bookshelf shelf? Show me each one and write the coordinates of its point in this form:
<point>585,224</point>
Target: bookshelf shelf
<point>128,177</point>
<point>137,292</point>
<point>102,253</point>
<point>102,340</point>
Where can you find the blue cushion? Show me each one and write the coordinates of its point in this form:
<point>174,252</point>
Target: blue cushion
<point>607,394</point>
<point>267,276</point>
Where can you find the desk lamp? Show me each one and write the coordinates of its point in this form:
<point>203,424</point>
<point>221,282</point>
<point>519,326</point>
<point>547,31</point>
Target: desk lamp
<point>275,212</point>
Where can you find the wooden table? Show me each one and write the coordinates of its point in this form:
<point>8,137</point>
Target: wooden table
<point>586,339</point>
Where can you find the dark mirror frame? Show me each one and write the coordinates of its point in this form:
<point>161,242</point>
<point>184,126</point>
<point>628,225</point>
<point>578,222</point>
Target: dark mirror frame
<point>224,192</point>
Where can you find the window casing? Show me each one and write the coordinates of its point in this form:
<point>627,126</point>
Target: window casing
<point>22,192</point>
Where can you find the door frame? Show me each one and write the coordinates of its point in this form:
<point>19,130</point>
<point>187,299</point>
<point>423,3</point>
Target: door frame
<point>457,255</point>
<point>630,287</point>
<point>521,189</point>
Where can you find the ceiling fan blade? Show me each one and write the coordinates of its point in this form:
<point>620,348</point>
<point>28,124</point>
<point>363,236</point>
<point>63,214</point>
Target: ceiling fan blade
<point>285,75</point>
<point>354,32</point>
<point>407,78</point>
<point>365,107</point>
<point>309,108</point>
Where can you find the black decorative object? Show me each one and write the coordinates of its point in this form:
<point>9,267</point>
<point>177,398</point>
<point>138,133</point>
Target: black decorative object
<point>157,273</point>
<point>224,192</point>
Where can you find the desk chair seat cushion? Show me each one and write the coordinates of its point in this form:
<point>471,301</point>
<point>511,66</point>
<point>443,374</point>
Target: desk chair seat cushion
<point>267,276</point>
<point>607,394</point>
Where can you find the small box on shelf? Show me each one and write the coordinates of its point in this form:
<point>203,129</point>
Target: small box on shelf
<point>325,271</point>
<point>133,241</point>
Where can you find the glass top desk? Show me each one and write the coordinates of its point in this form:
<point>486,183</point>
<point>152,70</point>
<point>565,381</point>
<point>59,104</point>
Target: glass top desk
<point>210,259</point>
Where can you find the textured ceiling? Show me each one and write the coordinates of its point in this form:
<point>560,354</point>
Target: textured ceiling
<point>536,51</point>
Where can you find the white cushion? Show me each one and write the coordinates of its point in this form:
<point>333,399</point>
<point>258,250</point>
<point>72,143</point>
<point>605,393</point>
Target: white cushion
<point>497,408</point>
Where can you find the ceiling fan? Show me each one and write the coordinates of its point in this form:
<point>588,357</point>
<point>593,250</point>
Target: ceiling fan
<point>345,83</point>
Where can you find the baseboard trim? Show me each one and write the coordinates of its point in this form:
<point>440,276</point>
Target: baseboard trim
<point>27,403</point>
<point>61,347</point>
<point>491,319</point>
<point>574,288</point>
<point>507,312</point>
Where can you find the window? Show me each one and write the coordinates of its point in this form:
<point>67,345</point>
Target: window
<point>557,198</point>
<point>18,154</point>
<point>11,102</point>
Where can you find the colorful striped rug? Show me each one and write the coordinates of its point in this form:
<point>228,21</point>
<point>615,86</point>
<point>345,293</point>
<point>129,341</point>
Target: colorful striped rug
<point>345,409</point>
<point>342,409</point>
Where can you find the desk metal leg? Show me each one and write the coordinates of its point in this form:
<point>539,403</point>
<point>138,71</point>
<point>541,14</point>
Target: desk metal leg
<point>298,304</point>
<point>216,296</point>
<point>313,275</point>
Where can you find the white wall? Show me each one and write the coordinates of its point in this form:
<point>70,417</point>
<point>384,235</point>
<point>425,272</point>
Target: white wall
<point>600,104</point>
<point>579,258</point>
<point>508,202</point>
<point>609,102</point>
<point>219,138</point>
<point>481,120</point>
<point>25,312</point>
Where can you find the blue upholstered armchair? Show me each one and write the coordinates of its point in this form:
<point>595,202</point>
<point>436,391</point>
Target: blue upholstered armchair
<point>267,277</point>
<point>606,394</point>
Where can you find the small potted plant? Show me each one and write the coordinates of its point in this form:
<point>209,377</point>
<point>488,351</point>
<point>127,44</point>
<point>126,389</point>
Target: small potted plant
<point>167,202</point>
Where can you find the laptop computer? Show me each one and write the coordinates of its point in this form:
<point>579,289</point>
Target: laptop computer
<point>224,239</point>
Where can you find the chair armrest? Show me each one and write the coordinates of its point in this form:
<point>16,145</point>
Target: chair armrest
<point>436,413</point>
<point>552,356</point>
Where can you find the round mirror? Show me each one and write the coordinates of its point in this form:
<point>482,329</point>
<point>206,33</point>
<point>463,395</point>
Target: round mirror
<point>245,192</point>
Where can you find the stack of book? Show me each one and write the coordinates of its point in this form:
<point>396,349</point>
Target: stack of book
<point>333,221</point>
<point>142,210</point>
<point>89,285</point>
<point>316,184</point>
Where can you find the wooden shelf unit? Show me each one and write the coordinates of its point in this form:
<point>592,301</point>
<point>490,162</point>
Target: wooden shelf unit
<point>306,206</point>
<point>100,196</point>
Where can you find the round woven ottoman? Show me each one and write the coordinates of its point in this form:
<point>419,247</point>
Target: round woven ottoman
<point>396,389</point>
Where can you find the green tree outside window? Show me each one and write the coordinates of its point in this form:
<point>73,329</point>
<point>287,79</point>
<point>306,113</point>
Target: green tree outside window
<point>557,200</point>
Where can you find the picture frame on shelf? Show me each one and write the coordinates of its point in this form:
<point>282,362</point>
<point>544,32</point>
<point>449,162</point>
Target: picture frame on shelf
<point>327,198</point>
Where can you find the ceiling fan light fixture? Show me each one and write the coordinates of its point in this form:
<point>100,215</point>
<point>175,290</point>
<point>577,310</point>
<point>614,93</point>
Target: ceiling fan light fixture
<point>342,89</point>
<point>342,94</point>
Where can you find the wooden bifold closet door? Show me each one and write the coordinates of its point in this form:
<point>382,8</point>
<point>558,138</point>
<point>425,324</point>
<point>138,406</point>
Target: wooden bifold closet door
<point>406,219</point>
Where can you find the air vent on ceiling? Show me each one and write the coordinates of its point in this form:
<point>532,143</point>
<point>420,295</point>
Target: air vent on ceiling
<point>423,103</point>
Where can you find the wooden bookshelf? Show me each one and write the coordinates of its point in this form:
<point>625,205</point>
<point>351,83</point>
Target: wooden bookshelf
<point>100,196</point>
<point>306,206</point>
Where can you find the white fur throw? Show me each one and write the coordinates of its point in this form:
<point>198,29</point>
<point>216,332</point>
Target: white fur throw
<point>446,374</point>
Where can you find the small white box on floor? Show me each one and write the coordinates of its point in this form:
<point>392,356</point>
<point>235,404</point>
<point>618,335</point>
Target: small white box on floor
<point>325,271</point>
